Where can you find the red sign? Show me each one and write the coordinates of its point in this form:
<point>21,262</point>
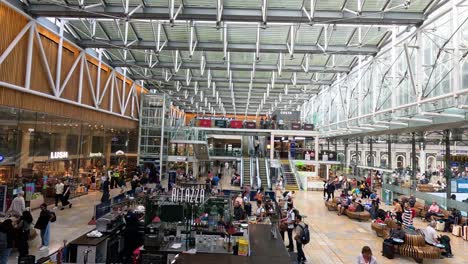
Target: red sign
<point>205,123</point>
<point>236,124</point>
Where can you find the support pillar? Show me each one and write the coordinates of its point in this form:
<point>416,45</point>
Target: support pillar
<point>316,150</point>
<point>25,144</point>
<point>272,147</point>
<point>448,173</point>
<point>389,152</point>
<point>414,164</point>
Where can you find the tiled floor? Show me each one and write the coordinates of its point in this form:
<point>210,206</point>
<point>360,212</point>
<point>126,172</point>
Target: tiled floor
<point>338,239</point>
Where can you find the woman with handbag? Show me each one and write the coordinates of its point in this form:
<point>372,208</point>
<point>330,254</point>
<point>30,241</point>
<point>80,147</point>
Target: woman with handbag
<point>25,233</point>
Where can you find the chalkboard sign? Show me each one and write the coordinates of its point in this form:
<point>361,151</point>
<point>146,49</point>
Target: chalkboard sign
<point>220,123</point>
<point>3,193</point>
<point>102,209</point>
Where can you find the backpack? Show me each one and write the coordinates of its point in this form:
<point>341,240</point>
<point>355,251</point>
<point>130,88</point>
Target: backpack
<point>305,239</point>
<point>3,240</point>
<point>53,217</point>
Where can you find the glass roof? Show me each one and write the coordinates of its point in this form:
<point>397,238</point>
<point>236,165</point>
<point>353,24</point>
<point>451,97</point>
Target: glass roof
<point>241,45</point>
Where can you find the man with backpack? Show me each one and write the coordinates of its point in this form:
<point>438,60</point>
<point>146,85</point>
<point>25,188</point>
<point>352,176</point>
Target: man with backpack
<point>302,238</point>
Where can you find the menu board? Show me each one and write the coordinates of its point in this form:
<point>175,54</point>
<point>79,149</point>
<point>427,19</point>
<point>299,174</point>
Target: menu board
<point>3,193</point>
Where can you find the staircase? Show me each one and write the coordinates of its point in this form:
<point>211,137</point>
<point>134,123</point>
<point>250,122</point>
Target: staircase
<point>290,183</point>
<point>263,173</point>
<point>246,177</point>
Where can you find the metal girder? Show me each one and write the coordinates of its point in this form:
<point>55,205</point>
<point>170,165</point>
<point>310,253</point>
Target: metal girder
<point>219,47</point>
<point>230,14</point>
<point>234,67</point>
<point>236,80</point>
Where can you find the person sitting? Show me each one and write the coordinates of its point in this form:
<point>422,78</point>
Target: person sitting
<point>396,233</point>
<point>453,219</point>
<point>344,204</point>
<point>433,210</point>
<point>359,206</point>
<point>412,201</point>
<point>431,237</point>
<point>398,210</point>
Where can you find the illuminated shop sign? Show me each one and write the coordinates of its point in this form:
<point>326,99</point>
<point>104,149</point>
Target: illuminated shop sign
<point>95,155</point>
<point>59,155</point>
<point>1,158</point>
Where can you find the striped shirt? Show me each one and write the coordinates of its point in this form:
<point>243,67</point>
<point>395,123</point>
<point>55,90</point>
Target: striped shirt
<point>407,218</point>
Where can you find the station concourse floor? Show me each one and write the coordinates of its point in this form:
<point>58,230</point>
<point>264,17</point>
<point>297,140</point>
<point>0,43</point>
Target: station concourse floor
<point>334,239</point>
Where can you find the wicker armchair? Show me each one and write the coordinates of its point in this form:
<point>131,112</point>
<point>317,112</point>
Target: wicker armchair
<point>361,216</point>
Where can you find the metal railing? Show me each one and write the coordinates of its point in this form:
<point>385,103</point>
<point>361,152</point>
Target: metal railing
<point>294,171</point>
<point>251,170</point>
<point>257,166</point>
<point>242,172</point>
<point>223,152</point>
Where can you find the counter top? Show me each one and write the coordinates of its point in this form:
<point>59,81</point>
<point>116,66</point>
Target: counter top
<point>230,259</point>
<point>91,241</point>
<point>262,242</point>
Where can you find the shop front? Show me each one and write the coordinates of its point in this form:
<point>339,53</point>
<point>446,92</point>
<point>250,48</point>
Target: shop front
<point>38,149</point>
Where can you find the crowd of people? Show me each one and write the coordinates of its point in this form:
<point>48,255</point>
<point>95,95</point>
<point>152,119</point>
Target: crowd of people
<point>17,230</point>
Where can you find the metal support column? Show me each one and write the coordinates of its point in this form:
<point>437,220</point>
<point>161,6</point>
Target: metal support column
<point>272,147</point>
<point>389,152</point>
<point>447,163</point>
<point>371,155</point>
<point>346,163</point>
<point>414,164</point>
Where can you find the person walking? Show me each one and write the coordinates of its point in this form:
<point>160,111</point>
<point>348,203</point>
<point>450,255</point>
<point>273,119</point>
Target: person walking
<point>290,220</point>
<point>59,186</point>
<point>299,231</point>
<point>24,226</point>
<point>43,224</point>
<point>66,196</point>
<point>7,237</point>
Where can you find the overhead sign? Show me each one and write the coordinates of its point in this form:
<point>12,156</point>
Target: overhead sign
<point>188,195</point>
<point>95,155</point>
<point>59,155</point>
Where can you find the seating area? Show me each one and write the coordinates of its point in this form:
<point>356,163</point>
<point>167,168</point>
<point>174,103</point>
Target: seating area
<point>332,205</point>
<point>414,246</point>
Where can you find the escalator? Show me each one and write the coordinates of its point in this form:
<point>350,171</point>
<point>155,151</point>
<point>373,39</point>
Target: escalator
<point>246,172</point>
<point>263,173</point>
<point>290,182</point>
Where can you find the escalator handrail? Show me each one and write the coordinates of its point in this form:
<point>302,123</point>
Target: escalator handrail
<point>242,171</point>
<point>267,170</point>
<point>259,180</point>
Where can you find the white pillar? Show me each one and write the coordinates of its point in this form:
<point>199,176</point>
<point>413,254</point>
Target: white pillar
<point>272,147</point>
<point>316,141</point>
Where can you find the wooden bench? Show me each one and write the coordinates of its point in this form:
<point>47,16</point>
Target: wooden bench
<point>361,216</point>
<point>383,230</point>
<point>332,205</point>
<point>415,247</point>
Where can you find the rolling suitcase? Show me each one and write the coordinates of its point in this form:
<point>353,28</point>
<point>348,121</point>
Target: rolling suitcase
<point>456,230</point>
<point>440,226</point>
<point>388,250</point>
